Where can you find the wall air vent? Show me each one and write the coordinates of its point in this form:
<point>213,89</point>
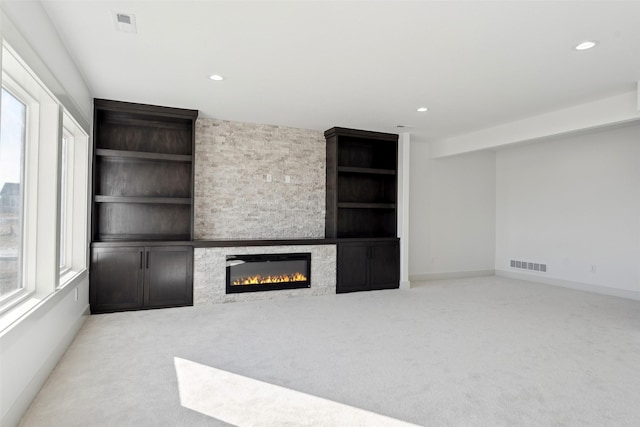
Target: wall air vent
<point>125,22</point>
<point>124,19</point>
<point>526,265</point>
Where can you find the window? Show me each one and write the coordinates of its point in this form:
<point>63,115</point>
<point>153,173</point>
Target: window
<point>65,195</point>
<point>12,145</point>
<point>74,170</point>
<point>44,163</point>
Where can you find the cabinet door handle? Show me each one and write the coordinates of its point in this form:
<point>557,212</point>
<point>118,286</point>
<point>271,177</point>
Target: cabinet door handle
<point>140,260</point>
<point>147,259</point>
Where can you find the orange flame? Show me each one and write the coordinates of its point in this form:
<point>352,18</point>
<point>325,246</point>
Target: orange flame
<point>281,278</point>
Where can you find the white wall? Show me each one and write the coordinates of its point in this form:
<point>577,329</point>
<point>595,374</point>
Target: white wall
<point>31,346</point>
<point>452,213</point>
<point>404,199</point>
<point>573,204</point>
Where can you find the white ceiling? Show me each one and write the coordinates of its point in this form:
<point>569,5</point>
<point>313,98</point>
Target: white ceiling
<point>365,65</point>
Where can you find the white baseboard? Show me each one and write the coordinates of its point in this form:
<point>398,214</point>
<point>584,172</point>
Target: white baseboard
<point>450,275</point>
<point>603,290</point>
<point>405,284</point>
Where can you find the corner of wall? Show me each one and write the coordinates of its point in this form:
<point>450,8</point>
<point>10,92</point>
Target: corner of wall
<point>453,206</point>
<point>569,284</point>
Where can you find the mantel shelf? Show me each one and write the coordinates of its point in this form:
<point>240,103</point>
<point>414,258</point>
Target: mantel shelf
<point>371,171</point>
<point>155,200</point>
<point>103,152</point>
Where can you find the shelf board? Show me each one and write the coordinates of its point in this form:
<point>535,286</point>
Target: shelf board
<point>104,152</point>
<point>156,200</point>
<point>346,237</point>
<point>140,239</point>
<point>354,205</point>
<point>372,171</point>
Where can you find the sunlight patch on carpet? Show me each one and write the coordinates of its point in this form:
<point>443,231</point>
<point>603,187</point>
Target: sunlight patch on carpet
<point>243,401</point>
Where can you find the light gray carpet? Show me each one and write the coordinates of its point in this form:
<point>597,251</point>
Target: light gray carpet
<point>471,352</point>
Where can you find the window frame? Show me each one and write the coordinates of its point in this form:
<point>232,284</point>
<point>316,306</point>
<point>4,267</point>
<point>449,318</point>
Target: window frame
<point>66,197</point>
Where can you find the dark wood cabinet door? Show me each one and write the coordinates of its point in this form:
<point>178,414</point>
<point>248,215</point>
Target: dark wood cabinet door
<point>353,266</point>
<point>385,265</point>
<point>116,279</point>
<point>168,276</point>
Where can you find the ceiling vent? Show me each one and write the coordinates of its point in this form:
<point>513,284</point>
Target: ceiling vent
<point>125,22</point>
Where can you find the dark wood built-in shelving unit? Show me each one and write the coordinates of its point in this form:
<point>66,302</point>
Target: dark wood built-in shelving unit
<point>362,203</point>
<point>143,192</point>
<point>143,172</point>
<point>143,201</point>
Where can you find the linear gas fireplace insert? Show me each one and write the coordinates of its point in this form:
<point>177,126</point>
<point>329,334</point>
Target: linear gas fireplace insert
<point>268,272</point>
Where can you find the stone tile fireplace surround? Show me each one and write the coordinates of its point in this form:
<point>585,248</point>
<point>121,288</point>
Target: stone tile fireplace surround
<point>235,200</point>
<point>209,278</point>
<point>241,189</point>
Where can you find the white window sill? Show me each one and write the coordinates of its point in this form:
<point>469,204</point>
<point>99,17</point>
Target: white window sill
<point>20,307</point>
<point>69,276</point>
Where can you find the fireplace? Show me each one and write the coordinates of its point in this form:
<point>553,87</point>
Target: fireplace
<point>268,272</point>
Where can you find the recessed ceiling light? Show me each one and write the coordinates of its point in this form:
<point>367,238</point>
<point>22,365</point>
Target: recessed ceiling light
<point>423,109</point>
<point>586,45</point>
<point>216,77</point>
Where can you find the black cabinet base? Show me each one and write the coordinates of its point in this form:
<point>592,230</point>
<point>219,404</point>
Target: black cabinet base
<point>366,266</point>
<point>138,277</point>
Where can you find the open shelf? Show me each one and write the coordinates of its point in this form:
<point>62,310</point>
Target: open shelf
<point>154,220</point>
<point>135,177</point>
<point>366,223</point>
<point>366,188</point>
<point>125,127</point>
<point>366,153</point>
